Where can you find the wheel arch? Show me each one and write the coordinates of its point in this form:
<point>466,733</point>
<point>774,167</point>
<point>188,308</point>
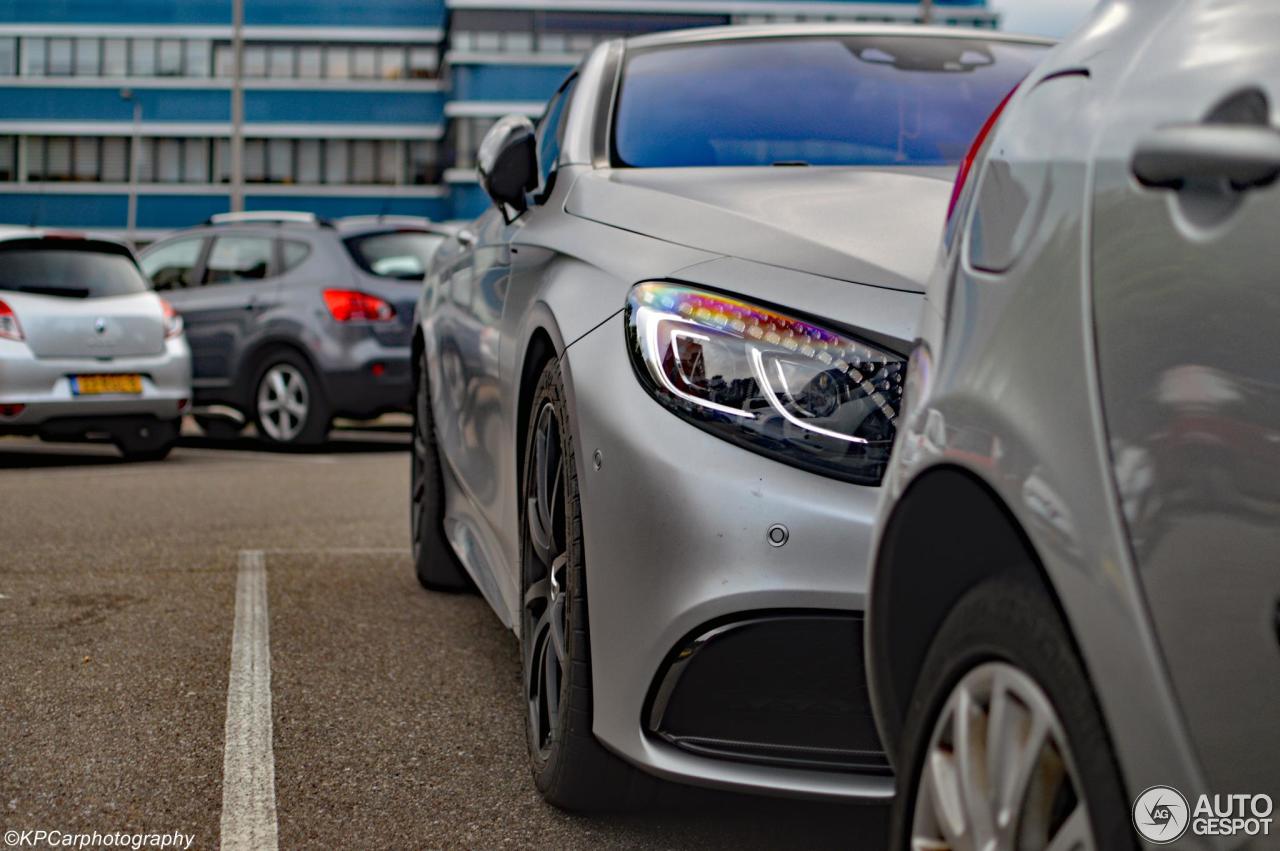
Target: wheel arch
<point>251,362</point>
<point>539,349</point>
<point>948,515</point>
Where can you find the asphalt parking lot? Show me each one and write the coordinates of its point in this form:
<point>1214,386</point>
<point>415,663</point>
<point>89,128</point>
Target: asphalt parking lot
<point>395,714</point>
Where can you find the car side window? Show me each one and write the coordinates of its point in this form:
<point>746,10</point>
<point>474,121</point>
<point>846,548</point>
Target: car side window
<point>292,253</point>
<point>173,266</point>
<point>550,134</point>
<point>238,258</point>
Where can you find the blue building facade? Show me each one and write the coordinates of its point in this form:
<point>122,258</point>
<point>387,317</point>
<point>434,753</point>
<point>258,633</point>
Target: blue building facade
<point>349,109</point>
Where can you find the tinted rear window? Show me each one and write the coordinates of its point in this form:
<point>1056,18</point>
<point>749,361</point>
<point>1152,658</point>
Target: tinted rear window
<point>394,254</point>
<point>68,269</point>
<point>828,100</point>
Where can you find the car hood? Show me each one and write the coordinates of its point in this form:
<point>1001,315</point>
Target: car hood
<point>877,226</point>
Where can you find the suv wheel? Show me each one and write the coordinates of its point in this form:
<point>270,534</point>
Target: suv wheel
<point>289,407</point>
<point>1004,746</point>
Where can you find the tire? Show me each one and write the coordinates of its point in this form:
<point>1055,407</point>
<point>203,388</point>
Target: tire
<point>148,441</point>
<point>1006,638</point>
<point>571,769</point>
<point>434,561</point>
<point>218,428</point>
<point>289,407</point>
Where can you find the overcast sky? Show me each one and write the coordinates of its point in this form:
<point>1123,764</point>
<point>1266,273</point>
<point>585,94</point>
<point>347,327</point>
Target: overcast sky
<point>1042,17</point>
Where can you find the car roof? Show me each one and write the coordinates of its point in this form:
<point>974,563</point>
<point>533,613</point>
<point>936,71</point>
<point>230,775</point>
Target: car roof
<point>738,32</point>
<point>9,233</point>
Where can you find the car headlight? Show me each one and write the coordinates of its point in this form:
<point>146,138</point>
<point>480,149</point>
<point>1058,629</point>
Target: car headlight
<point>808,396</point>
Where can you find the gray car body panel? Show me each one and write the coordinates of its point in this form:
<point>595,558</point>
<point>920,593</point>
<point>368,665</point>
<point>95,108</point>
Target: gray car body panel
<point>1063,421</point>
<point>674,521</point>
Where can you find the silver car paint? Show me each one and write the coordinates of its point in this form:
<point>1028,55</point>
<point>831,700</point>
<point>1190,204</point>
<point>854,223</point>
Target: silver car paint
<point>1180,641</point>
<point>674,520</point>
<point>66,337</point>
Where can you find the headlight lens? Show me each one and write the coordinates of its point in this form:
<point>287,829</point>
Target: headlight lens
<point>807,396</point>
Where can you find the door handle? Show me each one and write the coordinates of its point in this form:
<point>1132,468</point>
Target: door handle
<point>1246,156</point>
<point>466,238</point>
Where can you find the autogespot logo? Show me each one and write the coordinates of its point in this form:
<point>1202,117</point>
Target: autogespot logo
<point>1160,815</point>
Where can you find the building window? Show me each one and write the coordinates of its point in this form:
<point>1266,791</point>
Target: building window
<point>364,63</point>
<point>391,62</point>
<point>115,57</point>
<point>310,63</point>
<point>423,167</point>
<point>8,158</point>
<point>59,59</point>
<point>142,57</point>
<point>33,57</point>
<point>169,160</point>
<point>88,57</point>
<point>115,159</point>
<point>310,161</point>
<point>337,62</point>
<point>8,57</point>
<point>255,61</point>
<point>280,62</point>
<point>169,58</point>
<point>197,59</point>
<point>423,62</point>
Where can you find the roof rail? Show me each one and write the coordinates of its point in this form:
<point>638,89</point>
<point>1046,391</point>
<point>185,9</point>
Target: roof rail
<point>276,217</point>
<point>383,217</point>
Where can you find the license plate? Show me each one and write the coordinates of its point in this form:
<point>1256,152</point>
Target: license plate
<point>97,385</point>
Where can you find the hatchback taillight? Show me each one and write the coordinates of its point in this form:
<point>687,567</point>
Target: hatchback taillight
<point>172,320</point>
<point>350,305</point>
<point>9,327</point>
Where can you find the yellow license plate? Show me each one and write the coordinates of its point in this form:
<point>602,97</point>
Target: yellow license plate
<point>97,385</point>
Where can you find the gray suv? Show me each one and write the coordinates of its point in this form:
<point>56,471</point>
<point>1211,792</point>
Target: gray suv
<point>294,320</point>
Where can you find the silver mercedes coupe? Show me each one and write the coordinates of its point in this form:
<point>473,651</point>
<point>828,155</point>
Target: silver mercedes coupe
<point>658,382</point>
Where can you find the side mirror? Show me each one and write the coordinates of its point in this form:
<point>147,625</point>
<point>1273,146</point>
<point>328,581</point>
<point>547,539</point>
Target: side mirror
<point>508,163</point>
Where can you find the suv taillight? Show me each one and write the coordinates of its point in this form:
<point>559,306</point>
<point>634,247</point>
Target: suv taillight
<point>172,320</point>
<point>349,305</point>
<point>9,327</point>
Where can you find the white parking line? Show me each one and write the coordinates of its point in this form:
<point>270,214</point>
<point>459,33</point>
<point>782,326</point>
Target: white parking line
<point>248,763</point>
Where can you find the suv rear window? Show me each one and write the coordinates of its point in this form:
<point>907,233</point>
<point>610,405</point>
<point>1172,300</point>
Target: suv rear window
<point>404,254</point>
<point>69,268</point>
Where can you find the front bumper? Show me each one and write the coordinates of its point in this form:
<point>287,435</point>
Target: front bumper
<point>675,524</point>
<point>43,386</point>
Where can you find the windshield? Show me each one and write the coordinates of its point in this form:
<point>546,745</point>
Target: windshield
<point>813,100</point>
<point>68,269</point>
<point>399,254</point>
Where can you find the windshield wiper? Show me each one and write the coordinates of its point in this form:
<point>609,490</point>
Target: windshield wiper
<point>790,163</point>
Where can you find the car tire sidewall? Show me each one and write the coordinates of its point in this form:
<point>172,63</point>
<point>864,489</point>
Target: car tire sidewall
<point>434,561</point>
<point>577,773</point>
<point>1013,621</point>
<point>316,426</point>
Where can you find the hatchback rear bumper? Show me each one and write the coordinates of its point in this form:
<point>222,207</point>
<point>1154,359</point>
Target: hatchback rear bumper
<point>43,386</point>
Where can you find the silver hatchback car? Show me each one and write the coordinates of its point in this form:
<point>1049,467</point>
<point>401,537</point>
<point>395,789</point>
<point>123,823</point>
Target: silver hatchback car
<point>86,348</point>
<point>1072,632</point>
